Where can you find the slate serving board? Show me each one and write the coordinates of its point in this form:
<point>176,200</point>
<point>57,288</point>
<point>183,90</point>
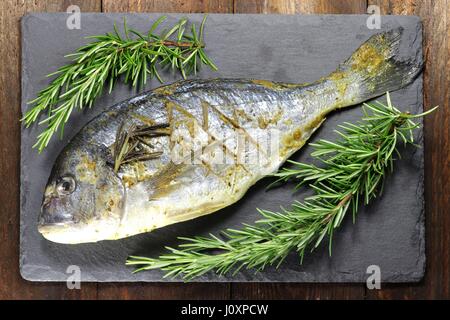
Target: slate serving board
<point>388,233</point>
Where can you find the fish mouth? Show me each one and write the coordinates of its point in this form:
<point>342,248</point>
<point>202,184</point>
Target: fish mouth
<point>59,232</point>
<point>47,228</point>
<point>53,214</point>
<point>71,232</point>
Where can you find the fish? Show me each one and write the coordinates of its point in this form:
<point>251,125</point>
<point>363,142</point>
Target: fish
<point>193,147</point>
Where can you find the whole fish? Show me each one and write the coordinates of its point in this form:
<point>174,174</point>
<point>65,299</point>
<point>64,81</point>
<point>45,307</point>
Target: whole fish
<point>193,147</point>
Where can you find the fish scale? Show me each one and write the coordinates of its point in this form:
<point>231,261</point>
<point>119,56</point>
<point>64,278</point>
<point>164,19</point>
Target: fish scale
<point>223,135</point>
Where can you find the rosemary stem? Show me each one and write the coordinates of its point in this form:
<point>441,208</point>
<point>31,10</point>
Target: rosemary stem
<point>341,204</point>
<point>107,59</point>
<point>352,174</point>
<point>178,44</point>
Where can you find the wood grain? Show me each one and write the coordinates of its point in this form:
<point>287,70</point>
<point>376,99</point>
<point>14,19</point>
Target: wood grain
<point>298,291</point>
<point>12,285</point>
<point>435,15</point>
<point>217,6</point>
<point>437,154</point>
<point>172,290</point>
<point>177,291</point>
<point>300,6</point>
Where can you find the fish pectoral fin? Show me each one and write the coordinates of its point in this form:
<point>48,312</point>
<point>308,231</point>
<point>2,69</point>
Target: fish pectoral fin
<point>166,180</point>
<point>201,211</point>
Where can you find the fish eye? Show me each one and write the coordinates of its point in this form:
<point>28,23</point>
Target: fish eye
<point>66,185</point>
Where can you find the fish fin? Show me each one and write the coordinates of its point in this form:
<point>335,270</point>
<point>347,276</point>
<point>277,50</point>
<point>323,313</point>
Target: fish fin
<point>377,66</point>
<point>165,181</point>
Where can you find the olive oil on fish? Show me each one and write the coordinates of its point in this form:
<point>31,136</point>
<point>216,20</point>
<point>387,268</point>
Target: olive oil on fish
<point>193,147</point>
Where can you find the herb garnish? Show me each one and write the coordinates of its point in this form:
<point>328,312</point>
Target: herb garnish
<point>101,62</point>
<point>352,174</point>
<point>131,144</point>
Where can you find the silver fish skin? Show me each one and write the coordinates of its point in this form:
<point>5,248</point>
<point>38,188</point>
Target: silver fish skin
<point>222,136</point>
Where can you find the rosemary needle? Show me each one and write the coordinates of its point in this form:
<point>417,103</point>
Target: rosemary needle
<point>100,63</point>
<point>352,173</point>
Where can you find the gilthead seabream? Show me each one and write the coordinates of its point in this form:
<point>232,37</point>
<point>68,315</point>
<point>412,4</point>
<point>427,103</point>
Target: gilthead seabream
<point>193,147</point>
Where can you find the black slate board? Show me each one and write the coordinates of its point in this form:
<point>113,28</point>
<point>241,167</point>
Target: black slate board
<point>389,233</point>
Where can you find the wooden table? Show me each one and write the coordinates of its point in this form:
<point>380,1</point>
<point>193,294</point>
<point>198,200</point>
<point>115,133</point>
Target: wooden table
<point>436,284</point>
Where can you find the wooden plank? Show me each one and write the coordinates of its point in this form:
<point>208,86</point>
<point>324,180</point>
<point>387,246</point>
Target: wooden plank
<point>216,6</point>
<point>437,281</point>
<point>296,291</point>
<point>435,15</point>
<point>166,290</point>
<point>288,290</point>
<point>300,6</point>
<point>12,285</point>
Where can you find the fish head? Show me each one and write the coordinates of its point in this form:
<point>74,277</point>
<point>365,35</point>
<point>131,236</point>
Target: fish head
<point>83,200</point>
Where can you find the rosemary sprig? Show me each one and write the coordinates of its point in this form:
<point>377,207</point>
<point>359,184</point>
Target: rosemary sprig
<point>101,62</point>
<point>131,144</point>
<point>352,173</point>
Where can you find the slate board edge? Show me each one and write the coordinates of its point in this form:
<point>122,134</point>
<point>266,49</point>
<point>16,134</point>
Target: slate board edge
<point>412,277</point>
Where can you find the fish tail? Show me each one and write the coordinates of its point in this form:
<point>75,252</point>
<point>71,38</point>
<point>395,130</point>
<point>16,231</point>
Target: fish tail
<point>376,67</point>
